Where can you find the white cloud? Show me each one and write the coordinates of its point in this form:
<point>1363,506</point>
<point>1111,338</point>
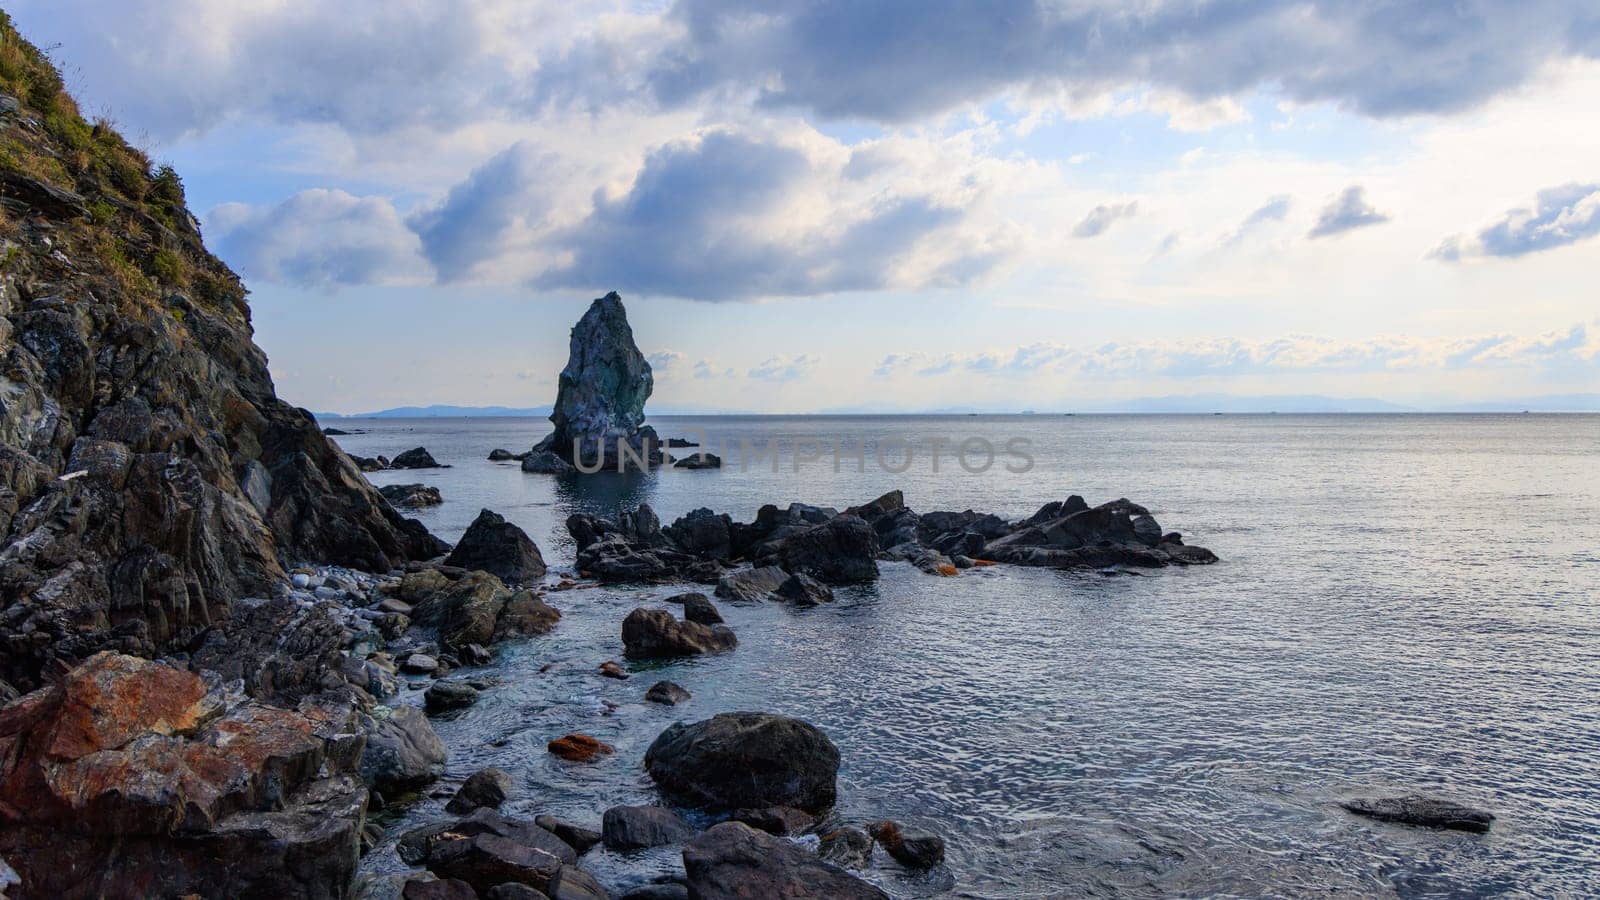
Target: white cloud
<point>320,239</point>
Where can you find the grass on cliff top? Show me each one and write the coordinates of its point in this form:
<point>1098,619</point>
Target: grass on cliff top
<point>140,224</point>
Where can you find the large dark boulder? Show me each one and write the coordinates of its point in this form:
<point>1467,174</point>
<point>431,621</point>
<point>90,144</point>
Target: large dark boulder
<point>641,827</point>
<point>415,458</point>
<point>842,550</point>
<point>500,548</point>
<point>750,585</point>
<point>416,845</point>
<point>703,533</point>
<point>733,861</point>
<point>746,760</point>
<point>654,633</point>
<point>411,496</point>
<point>402,750</point>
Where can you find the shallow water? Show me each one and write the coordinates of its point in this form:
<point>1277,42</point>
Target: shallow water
<point>1404,603</point>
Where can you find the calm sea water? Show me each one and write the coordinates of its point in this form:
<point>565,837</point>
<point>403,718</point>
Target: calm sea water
<point>1405,603</point>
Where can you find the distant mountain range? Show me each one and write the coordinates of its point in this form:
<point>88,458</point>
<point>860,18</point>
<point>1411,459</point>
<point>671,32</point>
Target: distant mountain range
<point>1194,404</point>
<point>439,411</point>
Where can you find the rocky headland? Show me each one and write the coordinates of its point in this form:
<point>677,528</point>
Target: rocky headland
<point>222,649</point>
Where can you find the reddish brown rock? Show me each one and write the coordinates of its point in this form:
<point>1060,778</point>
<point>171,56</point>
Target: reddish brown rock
<point>580,747</point>
<point>128,778</point>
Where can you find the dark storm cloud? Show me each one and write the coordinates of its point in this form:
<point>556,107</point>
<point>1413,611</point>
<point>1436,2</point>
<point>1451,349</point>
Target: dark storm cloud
<point>899,60</point>
<point>1347,212</point>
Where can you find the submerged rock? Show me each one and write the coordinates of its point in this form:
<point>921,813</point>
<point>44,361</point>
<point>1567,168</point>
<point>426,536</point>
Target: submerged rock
<point>602,391</point>
<point>732,861</point>
<point>1427,812</point>
<point>442,696</point>
<point>641,827</point>
<point>699,461</point>
<point>848,848</point>
<point>651,633</point>
<point>580,839</point>
<point>500,548</point>
<point>579,747</point>
<point>501,455</point>
<point>746,760</point>
<point>667,693</point>
<point>913,848</point>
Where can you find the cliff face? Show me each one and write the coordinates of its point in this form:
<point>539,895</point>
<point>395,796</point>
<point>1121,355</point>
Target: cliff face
<point>149,475</point>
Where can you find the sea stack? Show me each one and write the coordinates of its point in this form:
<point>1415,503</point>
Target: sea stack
<point>599,407</point>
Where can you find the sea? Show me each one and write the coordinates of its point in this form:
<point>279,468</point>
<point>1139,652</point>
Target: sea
<point>1404,604</point>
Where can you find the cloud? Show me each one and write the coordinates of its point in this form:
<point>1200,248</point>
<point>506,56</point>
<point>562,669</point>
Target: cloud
<point>1347,212</point>
<point>320,239</point>
<point>902,60</point>
<point>1560,216</point>
<point>1295,353</point>
<point>1103,217</point>
<point>1274,210</point>
<point>785,368</point>
<point>732,216</point>
<point>478,218</point>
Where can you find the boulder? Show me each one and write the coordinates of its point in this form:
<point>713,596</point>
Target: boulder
<point>486,788</point>
<point>443,696</point>
<point>416,846</point>
<point>746,760</point>
<point>513,891</point>
<point>579,747</point>
<point>1427,812</point>
<point>665,891</point>
<point>402,751</point>
<point>699,461</point>
<point>802,590</point>
<point>493,545</point>
<point>602,391</point>
<point>641,827</point>
<point>842,550</point>
<point>573,883</point>
<point>913,848</point>
<point>750,585</point>
<point>654,633</point>
<point>525,615</point>
<point>701,610</point>
<point>580,839</point>
<point>501,455</point>
<point>433,888</point>
<point>415,458</point>
<point>733,861</point>
<point>543,462</point>
<point>411,496</point>
<point>703,533</point>
<point>782,821</point>
<point>128,772</point>
<point>486,860</point>
<point>666,693</point>
<point>611,669</point>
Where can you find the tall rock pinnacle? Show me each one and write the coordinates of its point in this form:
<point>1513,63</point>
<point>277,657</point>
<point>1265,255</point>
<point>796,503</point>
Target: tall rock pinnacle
<point>603,388</point>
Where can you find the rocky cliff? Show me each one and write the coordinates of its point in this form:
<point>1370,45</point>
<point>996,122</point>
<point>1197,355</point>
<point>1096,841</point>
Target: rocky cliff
<point>149,475</point>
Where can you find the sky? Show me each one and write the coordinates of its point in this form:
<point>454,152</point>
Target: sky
<point>827,205</point>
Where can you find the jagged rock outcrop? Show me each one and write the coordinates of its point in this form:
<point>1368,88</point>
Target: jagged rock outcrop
<point>601,395</point>
<point>149,475</point>
<point>132,779</point>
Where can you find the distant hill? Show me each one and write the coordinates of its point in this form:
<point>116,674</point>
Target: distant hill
<point>439,411</point>
<point>1546,403</point>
